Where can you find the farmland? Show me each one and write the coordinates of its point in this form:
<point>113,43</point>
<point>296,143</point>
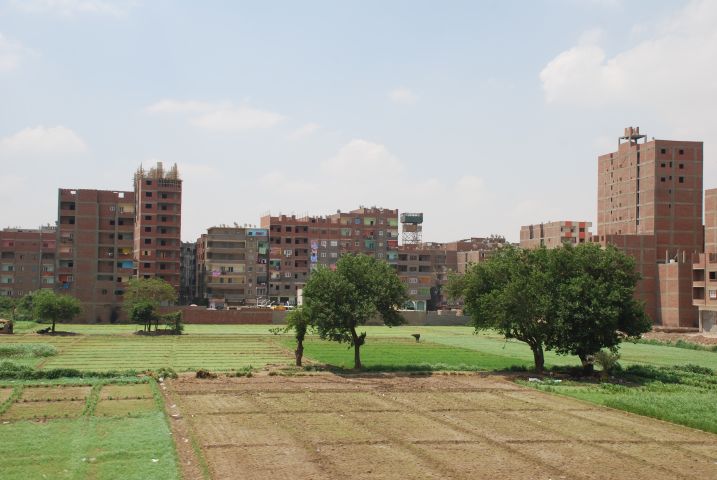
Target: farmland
<point>84,428</point>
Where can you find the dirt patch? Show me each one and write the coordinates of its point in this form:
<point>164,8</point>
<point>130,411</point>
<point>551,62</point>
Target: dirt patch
<point>119,408</point>
<point>34,394</point>
<point>435,426</point>
<point>42,410</point>
<point>142,390</point>
<point>687,337</point>
<point>5,394</point>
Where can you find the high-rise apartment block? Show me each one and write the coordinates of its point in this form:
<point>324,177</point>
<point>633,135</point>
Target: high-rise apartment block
<point>650,205</point>
<point>27,260</point>
<point>188,273</point>
<point>300,244</point>
<point>555,234</point>
<point>157,226</point>
<point>95,231</point>
<point>232,266</point>
<point>424,269</point>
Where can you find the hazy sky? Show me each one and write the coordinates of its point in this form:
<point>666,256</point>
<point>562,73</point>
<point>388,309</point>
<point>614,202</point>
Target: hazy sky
<point>483,115</point>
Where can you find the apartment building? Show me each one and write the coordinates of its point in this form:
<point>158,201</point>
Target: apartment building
<point>157,223</point>
<point>555,234</point>
<point>27,260</point>
<point>650,206</point>
<point>424,269</point>
<point>704,269</point>
<point>300,244</point>
<point>232,266</point>
<point>188,273</point>
<point>474,250</point>
<point>94,238</point>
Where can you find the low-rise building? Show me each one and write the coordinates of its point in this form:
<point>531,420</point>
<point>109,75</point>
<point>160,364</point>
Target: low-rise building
<point>554,234</point>
<point>27,260</point>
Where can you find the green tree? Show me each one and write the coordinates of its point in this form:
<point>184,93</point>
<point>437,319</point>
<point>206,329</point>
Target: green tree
<point>143,313</point>
<point>143,291</point>
<point>7,307</point>
<point>509,293</point>
<point>298,321</point>
<point>48,305</point>
<point>593,304</point>
<point>341,300</point>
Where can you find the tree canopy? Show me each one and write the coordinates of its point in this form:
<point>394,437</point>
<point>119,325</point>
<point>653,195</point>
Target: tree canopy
<point>144,296</point>
<point>339,301</point>
<point>48,305</point>
<point>573,300</point>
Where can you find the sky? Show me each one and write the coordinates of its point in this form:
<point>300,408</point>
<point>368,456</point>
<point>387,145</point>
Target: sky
<point>483,115</point>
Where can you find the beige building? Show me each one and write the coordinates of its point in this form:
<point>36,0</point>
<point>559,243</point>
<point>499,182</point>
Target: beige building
<point>555,234</point>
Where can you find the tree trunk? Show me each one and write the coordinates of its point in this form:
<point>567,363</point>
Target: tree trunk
<point>588,366</point>
<point>539,358</point>
<point>299,352</point>
<point>53,326</point>
<point>357,349</point>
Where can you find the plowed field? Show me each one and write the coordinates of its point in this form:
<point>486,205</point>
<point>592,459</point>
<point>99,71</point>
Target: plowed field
<point>326,426</point>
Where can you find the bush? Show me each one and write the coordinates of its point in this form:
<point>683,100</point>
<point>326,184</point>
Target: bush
<point>204,373</point>
<point>163,372</point>
<point>27,350</point>
<point>608,361</point>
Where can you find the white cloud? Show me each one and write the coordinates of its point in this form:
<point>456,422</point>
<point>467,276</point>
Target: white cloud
<point>674,67</point>
<point>402,96</point>
<point>221,117</point>
<point>304,131</point>
<point>68,8</point>
<point>363,160</point>
<point>42,140</point>
<point>11,54</point>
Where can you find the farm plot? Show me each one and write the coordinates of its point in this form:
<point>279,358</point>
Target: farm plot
<point>183,353</point>
<point>95,430</point>
<point>326,426</point>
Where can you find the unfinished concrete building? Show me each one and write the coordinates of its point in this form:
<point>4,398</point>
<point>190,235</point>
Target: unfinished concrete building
<point>188,273</point>
<point>27,260</point>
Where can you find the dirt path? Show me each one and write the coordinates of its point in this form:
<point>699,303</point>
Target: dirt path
<point>471,426</point>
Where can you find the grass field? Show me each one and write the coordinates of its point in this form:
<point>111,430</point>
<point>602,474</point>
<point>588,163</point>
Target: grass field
<point>71,429</point>
<point>234,347</point>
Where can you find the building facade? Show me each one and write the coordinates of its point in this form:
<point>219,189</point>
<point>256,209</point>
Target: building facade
<point>157,224</point>
<point>94,238</point>
<point>27,260</point>
<point>704,269</point>
<point>232,267</point>
<point>650,206</point>
<point>555,234</point>
<point>188,273</point>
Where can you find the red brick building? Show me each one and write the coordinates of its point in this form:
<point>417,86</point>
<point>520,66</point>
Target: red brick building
<point>300,244</point>
<point>27,260</point>
<point>704,269</point>
<point>555,234</point>
<point>95,230</point>
<point>650,205</point>
<point>157,226</point>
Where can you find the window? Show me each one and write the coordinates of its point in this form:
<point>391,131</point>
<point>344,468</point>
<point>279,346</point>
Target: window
<point>662,179</point>
<point>147,194</point>
<point>323,243</point>
<point>334,254</point>
<point>413,280</point>
<point>147,205</point>
<point>145,265</point>
<point>682,179</point>
<point>148,217</point>
<point>148,182</point>
<point>147,241</point>
<point>287,274</point>
<point>681,152</point>
<point>663,151</point>
<point>112,222</point>
<point>380,233</point>
<point>713,294</point>
<point>334,243</point>
<point>413,291</point>
<point>662,164</point>
<point>713,275</point>
<point>147,229</point>
<point>682,165</point>
<point>104,291</point>
<point>323,254</point>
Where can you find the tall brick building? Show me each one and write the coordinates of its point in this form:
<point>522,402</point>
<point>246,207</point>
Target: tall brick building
<point>650,205</point>
<point>95,230</point>
<point>27,260</point>
<point>158,221</point>
<point>300,244</point>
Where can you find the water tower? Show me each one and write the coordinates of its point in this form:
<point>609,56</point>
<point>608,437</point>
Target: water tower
<point>412,228</point>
